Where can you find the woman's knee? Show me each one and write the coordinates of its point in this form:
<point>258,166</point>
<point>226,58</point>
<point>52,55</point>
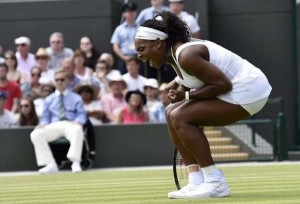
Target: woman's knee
<point>36,135</point>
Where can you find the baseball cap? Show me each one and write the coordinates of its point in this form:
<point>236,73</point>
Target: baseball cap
<point>22,40</point>
<point>151,83</point>
<point>130,6</point>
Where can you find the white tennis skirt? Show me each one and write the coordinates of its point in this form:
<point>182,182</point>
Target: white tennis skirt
<point>255,107</point>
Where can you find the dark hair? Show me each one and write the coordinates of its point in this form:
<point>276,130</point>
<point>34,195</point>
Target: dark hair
<point>12,55</point>
<point>177,29</point>
<point>32,118</point>
<point>79,53</point>
<point>4,66</point>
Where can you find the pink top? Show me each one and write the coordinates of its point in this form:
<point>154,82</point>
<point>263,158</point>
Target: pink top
<point>112,105</point>
<point>129,118</point>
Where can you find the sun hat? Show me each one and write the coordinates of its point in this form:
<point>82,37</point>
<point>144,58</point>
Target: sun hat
<point>138,92</point>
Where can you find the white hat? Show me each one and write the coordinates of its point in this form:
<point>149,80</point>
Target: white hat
<point>116,76</point>
<point>22,40</point>
<point>176,1</point>
<point>152,83</point>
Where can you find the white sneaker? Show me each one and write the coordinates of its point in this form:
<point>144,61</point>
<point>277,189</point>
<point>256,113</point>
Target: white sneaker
<point>76,168</point>
<point>49,168</point>
<point>182,192</point>
<point>214,189</point>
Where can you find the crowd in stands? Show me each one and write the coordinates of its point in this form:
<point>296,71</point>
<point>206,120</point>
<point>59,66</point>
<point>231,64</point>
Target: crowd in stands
<point>112,92</point>
<point>61,91</point>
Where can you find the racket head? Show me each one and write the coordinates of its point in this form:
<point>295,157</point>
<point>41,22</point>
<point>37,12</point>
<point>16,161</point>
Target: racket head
<point>180,171</point>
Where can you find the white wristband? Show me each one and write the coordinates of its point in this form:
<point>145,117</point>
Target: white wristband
<point>187,95</point>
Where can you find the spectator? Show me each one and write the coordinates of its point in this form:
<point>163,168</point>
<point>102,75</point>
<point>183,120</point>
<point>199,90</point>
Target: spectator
<point>63,115</point>
<point>7,118</point>
<point>83,72</point>
<point>25,59</point>
<point>113,102</point>
<point>133,79</point>
<point>42,59</point>
<point>148,13</point>
<point>108,58</point>
<point>71,79</point>
<point>47,88</point>
<point>123,36</point>
<point>176,6</point>
<point>151,92</point>
<point>133,112</point>
<point>12,90</point>
<point>27,115</point>
<point>13,73</point>
<point>92,104</point>
<point>157,114</point>
<point>87,46</point>
<point>32,88</point>
<point>57,50</point>
<point>1,58</point>
<point>101,71</point>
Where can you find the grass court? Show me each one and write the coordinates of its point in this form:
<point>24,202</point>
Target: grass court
<point>275,183</point>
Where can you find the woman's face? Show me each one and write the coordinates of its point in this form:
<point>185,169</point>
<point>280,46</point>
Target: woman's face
<point>25,107</point>
<point>86,94</point>
<point>35,75</point>
<point>135,100</point>
<point>152,51</point>
<point>79,60</point>
<point>85,44</point>
<point>10,61</point>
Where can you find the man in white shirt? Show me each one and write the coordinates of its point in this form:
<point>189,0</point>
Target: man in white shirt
<point>133,79</point>
<point>25,59</point>
<point>176,6</point>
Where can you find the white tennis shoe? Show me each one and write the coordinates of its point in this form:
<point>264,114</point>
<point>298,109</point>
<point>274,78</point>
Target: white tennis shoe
<point>214,189</point>
<point>49,168</point>
<point>183,191</point>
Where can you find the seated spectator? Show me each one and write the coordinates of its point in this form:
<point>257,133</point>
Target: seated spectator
<point>25,59</point>
<point>7,118</point>
<point>157,114</point>
<point>71,79</point>
<point>47,88</point>
<point>101,71</point>
<point>92,104</point>
<point>88,48</point>
<point>12,90</point>
<point>32,88</point>
<point>42,58</point>
<point>114,101</point>
<point>133,79</point>
<point>27,115</point>
<point>83,72</point>
<point>13,74</point>
<point>108,58</point>
<point>57,50</point>
<point>63,116</point>
<point>151,92</point>
<point>133,112</point>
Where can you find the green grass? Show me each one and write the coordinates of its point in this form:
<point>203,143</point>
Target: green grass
<point>270,184</point>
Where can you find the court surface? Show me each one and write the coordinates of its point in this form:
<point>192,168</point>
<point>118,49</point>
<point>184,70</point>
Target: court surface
<point>255,183</point>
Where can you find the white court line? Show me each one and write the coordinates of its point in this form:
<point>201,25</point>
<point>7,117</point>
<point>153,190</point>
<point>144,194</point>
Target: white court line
<point>145,168</point>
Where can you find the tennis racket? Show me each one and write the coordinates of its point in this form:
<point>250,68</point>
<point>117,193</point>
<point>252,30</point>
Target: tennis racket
<point>180,171</point>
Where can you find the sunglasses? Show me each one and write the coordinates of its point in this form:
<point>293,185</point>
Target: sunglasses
<point>24,105</point>
<point>21,45</point>
<point>9,58</point>
<point>60,79</point>
<point>42,58</point>
<point>85,91</point>
<point>33,75</point>
<point>55,42</point>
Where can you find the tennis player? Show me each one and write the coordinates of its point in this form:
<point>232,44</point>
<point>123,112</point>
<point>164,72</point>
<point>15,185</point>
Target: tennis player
<point>214,87</point>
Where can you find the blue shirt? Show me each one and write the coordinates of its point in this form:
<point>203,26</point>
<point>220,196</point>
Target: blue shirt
<point>124,36</point>
<point>157,114</point>
<point>74,108</point>
<point>149,13</point>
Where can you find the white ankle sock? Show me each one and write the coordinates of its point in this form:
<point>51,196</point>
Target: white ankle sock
<point>196,178</point>
<point>211,173</point>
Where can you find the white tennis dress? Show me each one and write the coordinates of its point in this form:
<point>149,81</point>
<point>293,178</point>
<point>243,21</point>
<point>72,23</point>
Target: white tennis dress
<point>250,85</point>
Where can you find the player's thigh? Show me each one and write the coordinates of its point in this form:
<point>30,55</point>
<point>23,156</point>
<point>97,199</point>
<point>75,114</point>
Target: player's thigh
<point>171,107</point>
<point>214,112</point>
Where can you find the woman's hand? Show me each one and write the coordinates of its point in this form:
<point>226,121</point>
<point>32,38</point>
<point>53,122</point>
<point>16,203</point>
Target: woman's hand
<point>171,85</point>
<point>176,95</point>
